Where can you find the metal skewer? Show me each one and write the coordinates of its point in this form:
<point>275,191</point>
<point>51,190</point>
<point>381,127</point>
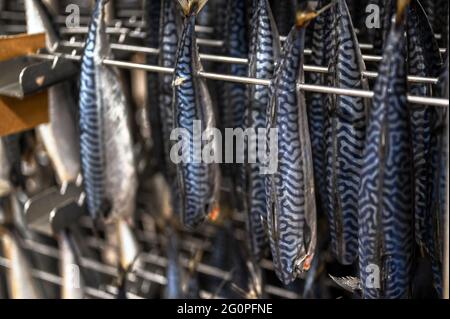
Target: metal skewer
<point>233,60</point>
<point>245,80</point>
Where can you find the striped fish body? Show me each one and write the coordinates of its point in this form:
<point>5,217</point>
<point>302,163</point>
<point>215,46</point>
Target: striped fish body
<point>385,198</point>
<point>424,60</point>
<point>345,128</point>
<point>198,181</point>
<point>169,30</point>
<point>291,202</point>
<point>236,46</point>
<point>322,33</point>
<point>232,115</point>
<point>263,55</point>
<point>107,158</point>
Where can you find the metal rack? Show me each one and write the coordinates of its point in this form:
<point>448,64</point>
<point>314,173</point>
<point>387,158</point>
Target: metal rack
<point>132,28</point>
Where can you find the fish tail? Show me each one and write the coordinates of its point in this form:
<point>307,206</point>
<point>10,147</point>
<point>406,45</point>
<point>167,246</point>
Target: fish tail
<point>191,7</point>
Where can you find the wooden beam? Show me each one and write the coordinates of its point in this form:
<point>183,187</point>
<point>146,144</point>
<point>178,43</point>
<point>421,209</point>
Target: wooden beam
<point>17,115</point>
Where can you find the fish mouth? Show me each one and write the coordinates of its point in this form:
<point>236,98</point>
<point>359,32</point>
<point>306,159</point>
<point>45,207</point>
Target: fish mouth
<point>303,264</point>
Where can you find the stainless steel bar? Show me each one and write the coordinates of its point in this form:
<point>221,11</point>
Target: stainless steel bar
<point>137,32</point>
<point>205,42</point>
<point>54,279</point>
<point>12,15</point>
<point>245,80</point>
<point>151,259</point>
<point>227,59</point>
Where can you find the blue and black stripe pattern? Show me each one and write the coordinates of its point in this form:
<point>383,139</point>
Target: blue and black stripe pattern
<point>198,181</point>
<point>424,60</point>
<point>263,54</point>
<point>232,114</point>
<point>322,33</point>
<point>291,202</point>
<point>169,29</point>
<point>91,128</point>
<point>386,192</point>
<point>236,46</point>
<point>345,128</point>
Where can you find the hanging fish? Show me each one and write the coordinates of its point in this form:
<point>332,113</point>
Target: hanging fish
<point>345,128</point>
<point>152,13</point>
<point>291,203</point>
<point>322,33</point>
<point>235,46</point>
<point>434,234</point>
<point>424,59</point>
<point>107,158</point>
<point>264,52</point>
<point>386,192</point>
<point>60,136</point>
<point>169,30</point>
<point>232,113</point>
<point>198,181</point>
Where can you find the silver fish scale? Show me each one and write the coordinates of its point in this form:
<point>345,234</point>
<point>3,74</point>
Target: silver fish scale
<point>291,202</point>
<point>92,153</point>
<point>386,201</point>
<point>264,51</point>
<point>424,59</point>
<point>107,157</point>
<point>345,128</point>
<point>197,181</point>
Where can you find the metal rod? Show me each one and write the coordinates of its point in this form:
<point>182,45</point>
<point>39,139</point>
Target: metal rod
<point>246,80</point>
<point>56,280</point>
<point>149,258</point>
<point>228,59</point>
<point>201,41</point>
